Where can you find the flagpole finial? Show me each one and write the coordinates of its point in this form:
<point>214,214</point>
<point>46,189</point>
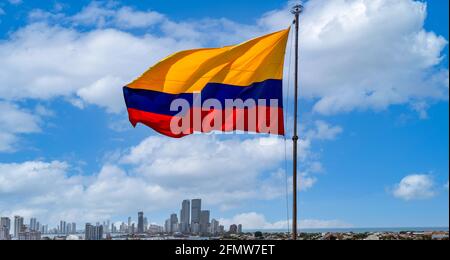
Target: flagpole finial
<point>297,9</point>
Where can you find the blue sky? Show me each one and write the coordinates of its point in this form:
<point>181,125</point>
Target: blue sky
<point>373,114</point>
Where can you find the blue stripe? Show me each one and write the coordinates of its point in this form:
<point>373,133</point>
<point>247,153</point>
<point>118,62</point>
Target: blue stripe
<point>159,102</point>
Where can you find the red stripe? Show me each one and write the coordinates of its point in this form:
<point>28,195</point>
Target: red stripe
<point>237,120</point>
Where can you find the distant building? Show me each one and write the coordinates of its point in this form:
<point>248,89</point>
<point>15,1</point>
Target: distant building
<point>93,232</point>
<point>5,228</point>
<point>185,216</point>
<point>129,225</point>
<point>62,227</point>
<point>233,229</point>
<point>140,229</point>
<point>27,234</point>
<point>154,229</point>
<point>239,229</point>
<point>74,228</point>
<point>33,226</point>
<point>204,221</point>
<point>195,228</point>
<point>173,223</point>
<point>4,234</point>
<point>44,229</point>
<point>214,227</point>
<point>221,229</point>
<point>18,225</point>
<point>167,226</point>
<point>145,224</point>
<point>196,209</point>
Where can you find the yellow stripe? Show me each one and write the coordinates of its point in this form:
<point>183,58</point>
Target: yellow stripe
<point>240,65</point>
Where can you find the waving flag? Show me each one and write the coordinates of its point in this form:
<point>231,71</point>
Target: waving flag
<point>218,89</point>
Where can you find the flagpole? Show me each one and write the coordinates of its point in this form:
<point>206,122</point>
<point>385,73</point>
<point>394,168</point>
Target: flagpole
<point>296,10</point>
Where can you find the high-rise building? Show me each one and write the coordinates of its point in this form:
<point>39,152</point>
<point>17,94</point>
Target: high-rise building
<point>140,223</point>
<point>33,223</point>
<point>129,225</point>
<point>196,208</point>
<point>167,226</point>
<point>29,235</point>
<point>185,216</point>
<point>214,227</point>
<point>173,223</point>
<point>233,229</point>
<point>145,224</point>
<point>204,221</point>
<point>239,229</point>
<point>123,228</point>
<point>74,228</point>
<point>44,229</point>
<point>93,232</point>
<point>62,227</point>
<point>5,222</point>
<point>18,225</point>
<point>5,227</point>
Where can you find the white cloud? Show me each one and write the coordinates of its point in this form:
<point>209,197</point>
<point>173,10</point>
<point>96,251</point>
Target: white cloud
<point>253,220</point>
<point>124,17</point>
<point>154,175</point>
<point>13,122</point>
<point>446,186</point>
<point>324,131</point>
<point>414,187</point>
<point>94,66</point>
<point>350,57</point>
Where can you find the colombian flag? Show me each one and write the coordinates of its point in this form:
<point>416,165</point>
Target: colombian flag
<point>252,70</point>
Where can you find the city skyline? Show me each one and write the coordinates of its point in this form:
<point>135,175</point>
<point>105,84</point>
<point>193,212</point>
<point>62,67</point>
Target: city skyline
<point>200,225</point>
<point>373,115</point>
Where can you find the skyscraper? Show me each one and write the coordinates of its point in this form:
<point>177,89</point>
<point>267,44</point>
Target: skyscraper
<point>74,228</point>
<point>167,226</point>
<point>214,228</point>
<point>204,221</point>
<point>233,229</point>
<point>6,223</point>
<point>129,225</point>
<point>93,232</point>
<point>196,209</point>
<point>62,227</point>
<point>239,229</point>
<point>5,227</point>
<point>18,225</point>
<point>145,224</point>
<point>173,223</point>
<point>33,223</point>
<point>140,223</point>
<point>185,216</point>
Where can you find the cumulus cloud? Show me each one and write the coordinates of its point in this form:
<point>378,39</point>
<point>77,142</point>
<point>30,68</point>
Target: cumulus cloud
<point>350,58</point>
<point>155,175</point>
<point>253,220</point>
<point>415,187</point>
<point>107,16</point>
<point>15,121</point>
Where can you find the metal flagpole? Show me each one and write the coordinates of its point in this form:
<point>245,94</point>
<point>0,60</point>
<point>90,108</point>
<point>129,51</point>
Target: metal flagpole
<point>296,10</point>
